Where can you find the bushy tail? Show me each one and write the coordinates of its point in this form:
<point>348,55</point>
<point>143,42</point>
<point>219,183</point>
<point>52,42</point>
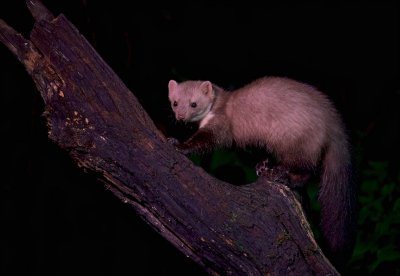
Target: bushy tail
<point>338,203</point>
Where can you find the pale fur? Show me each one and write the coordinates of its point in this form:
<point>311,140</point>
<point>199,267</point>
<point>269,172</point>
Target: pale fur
<point>292,119</point>
<point>206,119</point>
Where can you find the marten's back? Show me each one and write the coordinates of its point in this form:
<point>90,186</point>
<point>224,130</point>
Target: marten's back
<point>291,118</point>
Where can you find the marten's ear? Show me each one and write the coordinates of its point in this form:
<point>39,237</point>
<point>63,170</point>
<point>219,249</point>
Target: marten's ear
<point>172,85</point>
<point>206,88</point>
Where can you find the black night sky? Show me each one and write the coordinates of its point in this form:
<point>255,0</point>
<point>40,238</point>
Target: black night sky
<point>57,220</point>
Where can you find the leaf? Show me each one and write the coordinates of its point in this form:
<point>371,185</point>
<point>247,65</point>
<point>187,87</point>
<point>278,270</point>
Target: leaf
<point>221,157</point>
<point>363,215</point>
<point>251,175</point>
<point>382,227</point>
<point>378,166</point>
<point>396,206</point>
<point>361,249</point>
<point>388,189</point>
<point>386,254</point>
<point>370,186</point>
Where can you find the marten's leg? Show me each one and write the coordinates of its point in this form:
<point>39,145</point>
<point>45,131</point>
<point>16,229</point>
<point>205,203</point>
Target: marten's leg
<point>202,141</point>
<point>292,177</point>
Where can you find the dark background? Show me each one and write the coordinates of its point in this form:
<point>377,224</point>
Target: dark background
<point>57,220</point>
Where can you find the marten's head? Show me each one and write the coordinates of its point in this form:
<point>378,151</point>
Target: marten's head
<point>191,101</point>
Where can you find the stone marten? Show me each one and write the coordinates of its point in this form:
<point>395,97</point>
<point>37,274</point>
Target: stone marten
<point>295,122</point>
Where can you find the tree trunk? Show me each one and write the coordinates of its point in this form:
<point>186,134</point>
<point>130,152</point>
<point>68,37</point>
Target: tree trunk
<point>254,229</point>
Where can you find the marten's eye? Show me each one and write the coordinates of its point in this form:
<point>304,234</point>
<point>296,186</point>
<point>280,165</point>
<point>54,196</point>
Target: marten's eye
<point>194,105</point>
<point>175,103</point>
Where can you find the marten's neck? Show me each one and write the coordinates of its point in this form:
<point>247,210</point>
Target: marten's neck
<point>220,99</point>
<point>218,105</point>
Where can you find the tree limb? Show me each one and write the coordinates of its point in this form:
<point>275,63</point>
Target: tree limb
<point>255,229</point>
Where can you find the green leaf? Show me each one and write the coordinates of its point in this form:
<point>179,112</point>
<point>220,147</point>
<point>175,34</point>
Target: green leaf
<point>378,166</point>
<point>370,186</point>
<point>396,206</point>
<point>361,249</point>
<point>382,227</point>
<point>386,254</point>
<point>388,189</point>
<point>251,175</point>
<point>363,215</point>
<point>221,157</point>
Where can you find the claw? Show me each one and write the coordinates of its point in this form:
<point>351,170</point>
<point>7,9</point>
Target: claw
<point>178,146</point>
<point>273,173</point>
<point>173,141</point>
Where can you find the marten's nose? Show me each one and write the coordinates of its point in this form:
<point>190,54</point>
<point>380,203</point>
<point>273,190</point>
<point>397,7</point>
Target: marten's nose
<point>180,116</point>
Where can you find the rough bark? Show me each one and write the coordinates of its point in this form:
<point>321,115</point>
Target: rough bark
<point>255,229</point>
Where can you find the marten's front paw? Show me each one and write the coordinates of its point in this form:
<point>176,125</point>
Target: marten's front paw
<point>182,149</point>
<point>173,141</point>
<point>178,146</point>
